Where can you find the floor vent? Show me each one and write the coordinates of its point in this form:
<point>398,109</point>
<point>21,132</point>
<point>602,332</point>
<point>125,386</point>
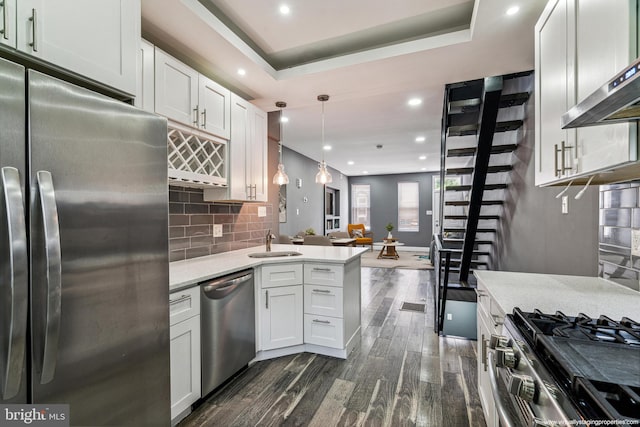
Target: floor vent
<point>411,306</point>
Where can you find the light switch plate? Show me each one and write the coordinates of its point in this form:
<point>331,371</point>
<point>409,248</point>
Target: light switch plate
<point>217,230</point>
<point>565,205</point>
<point>635,242</point>
<point>262,211</point>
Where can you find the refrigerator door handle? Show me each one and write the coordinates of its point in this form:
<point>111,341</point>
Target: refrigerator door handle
<point>18,282</point>
<point>54,274</point>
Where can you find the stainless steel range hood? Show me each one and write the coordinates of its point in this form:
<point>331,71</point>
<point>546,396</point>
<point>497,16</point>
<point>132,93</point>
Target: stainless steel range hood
<point>618,100</point>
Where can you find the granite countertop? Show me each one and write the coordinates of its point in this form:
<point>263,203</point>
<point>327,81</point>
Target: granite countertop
<point>187,273</point>
<point>549,293</point>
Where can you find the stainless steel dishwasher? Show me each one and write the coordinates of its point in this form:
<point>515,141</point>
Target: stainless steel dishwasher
<point>228,329</point>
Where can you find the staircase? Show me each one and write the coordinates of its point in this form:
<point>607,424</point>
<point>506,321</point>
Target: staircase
<point>480,131</point>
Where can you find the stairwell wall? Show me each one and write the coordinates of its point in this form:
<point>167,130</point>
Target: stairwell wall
<point>534,236</point>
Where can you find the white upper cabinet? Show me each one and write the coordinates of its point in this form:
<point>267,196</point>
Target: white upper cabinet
<point>8,22</point>
<point>184,95</point>
<point>579,46</point>
<point>145,91</point>
<point>97,39</point>
<point>257,155</point>
<point>215,107</point>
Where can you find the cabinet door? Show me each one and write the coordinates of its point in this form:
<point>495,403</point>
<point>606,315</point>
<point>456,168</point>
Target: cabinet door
<point>95,38</point>
<point>215,108</point>
<point>484,385</point>
<point>602,51</point>
<point>257,160</point>
<point>553,79</point>
<point>240,135</point>
<point>185,364</point>
<point>281,314</point>
<point>176,89</point>
<point>145,98</point>
<point>8,23</point>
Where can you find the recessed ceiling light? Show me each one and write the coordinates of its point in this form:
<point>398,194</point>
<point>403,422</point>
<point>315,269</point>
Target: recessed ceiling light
<point>423,169</point>
<point>513,10</point>
<point>420,139</point>
<point>242,71</point>
<point>326,147</point>
<point>365,172</point>
<point>415,102</point>
<point>284,9</point>
<point>423,157</point>
<point>350,162</point>
<point>284,119</point>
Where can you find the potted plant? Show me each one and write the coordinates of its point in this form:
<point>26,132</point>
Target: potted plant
<point>389,228</point>
<point>310,232</point>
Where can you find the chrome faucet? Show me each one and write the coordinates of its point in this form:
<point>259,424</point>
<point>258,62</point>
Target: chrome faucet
<point>269,239</point>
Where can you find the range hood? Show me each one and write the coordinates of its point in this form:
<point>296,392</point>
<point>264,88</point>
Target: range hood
<point>618,100</point>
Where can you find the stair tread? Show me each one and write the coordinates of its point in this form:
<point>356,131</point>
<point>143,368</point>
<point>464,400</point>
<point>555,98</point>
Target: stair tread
<point>477,242</point>
<point>475,252</point>
<point>462,230</point>
<point>464,217</point>
<point>471,151</point>
<point>509,125</point>
<point>487,187</point>
<point>469,170</point>
<point>472,129</point>
<point>513,99</point>
<point>466,202</point>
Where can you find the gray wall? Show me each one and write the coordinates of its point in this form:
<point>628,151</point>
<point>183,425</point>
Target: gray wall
<point>535,236</point>
<point>384,205</point>
<point>303,214</point>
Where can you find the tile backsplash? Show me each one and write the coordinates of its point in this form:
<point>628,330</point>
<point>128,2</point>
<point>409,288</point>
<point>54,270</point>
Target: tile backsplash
<point>191,221</point>
<point>619,216</point>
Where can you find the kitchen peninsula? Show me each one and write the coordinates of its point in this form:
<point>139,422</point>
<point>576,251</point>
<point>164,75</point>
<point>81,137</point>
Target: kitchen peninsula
<point>307,301</point>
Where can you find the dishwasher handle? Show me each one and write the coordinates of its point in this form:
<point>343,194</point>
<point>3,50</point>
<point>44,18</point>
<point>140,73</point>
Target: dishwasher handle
<point>220,288</point>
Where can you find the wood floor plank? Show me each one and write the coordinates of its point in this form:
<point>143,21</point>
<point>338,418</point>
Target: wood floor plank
<point>430,406</point>
<point>430,369</point>
<point>332,407</point>
<point>449,355</point>
<point>469,370</point>
<point>381,313</point>
<point>454,407</point>
<point>407,396</point>
<point>373,369</point>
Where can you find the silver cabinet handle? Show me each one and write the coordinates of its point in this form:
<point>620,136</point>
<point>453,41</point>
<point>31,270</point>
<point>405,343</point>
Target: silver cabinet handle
<point>321,291</point>
<point>204,118</point>
<point>180,299</point>
<point>5,30</point>
<point>266,299</point>
<point>197,115</point>
<point>564,148</point>
<point>556,150</point>
<point>497,320</point>
<point>54,274</point>
<point>505,421</point>
<point>326,322</point>
<point>34,30</point>
<point>18,282</point>
<point>484,352</point>
<point>321,269</point>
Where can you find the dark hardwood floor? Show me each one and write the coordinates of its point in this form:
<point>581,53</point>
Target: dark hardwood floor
<point>401,374</point>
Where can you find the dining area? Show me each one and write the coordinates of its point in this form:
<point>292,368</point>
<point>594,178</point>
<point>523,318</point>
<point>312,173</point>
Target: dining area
<point>357,235</point>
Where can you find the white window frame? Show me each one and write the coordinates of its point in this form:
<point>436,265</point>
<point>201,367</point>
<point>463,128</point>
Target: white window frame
<point>409,203</point>
<point>359,202</point>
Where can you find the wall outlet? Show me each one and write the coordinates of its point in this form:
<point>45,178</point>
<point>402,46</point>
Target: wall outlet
<point>449,316</point>
<point>262,211</point>
<point>565,205</point>
<point>635,242</point>
<point>217,230</point>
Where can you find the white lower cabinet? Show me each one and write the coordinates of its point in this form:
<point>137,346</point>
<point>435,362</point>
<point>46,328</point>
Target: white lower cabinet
<point>489,322</point>
<point>323,330</point>
<point>184,335</point>
<point>281,314</point>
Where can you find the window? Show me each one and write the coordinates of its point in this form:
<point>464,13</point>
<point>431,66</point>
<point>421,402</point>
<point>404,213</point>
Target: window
<point>360,205</point>
<point>408,206</point>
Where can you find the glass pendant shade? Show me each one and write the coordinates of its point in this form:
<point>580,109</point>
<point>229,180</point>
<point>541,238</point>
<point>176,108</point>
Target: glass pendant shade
<point>323,176</point>
<point>281,177</point>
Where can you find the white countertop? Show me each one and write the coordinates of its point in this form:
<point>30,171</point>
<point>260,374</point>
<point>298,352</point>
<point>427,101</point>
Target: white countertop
<point>549,293</point>
<point>184,274</point>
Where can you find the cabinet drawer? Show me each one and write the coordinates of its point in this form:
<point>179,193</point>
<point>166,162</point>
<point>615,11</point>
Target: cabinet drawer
<point>281,275</point>
<point>184,304</point>
<point>323,274</point>
<point>324,331</point>
<point>323,300</point>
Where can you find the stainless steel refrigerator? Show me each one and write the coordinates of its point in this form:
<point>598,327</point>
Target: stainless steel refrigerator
<point>84,266</point>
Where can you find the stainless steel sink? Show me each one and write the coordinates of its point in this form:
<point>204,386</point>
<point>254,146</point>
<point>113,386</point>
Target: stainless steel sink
<point>273,254</point>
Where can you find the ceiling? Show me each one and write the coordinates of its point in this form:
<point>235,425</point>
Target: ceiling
<point>369,56</point>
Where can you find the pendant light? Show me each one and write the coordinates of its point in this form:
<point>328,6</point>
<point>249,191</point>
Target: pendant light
<point>281,177</point>
<point>323,176</point>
